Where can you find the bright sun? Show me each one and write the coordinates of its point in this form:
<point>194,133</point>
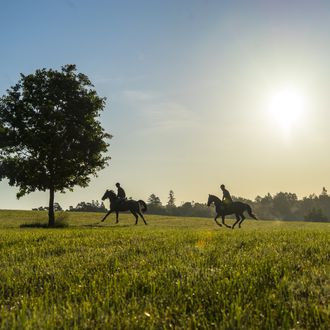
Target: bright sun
<point>287,106</point>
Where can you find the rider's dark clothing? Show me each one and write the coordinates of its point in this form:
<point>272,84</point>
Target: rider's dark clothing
<point>121,196</point>
<point>226,198</point>
<point>121,193</point>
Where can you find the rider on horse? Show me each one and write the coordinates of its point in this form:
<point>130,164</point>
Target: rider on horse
<point>226,198</point>
<point>120,193</point>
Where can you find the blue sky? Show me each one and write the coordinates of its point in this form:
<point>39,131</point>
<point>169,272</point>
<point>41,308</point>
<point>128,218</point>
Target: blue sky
<point>189,86</point>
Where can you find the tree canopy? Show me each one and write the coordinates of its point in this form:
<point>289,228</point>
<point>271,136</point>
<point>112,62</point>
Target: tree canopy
<point>51,138</point>
<point>171,199</point>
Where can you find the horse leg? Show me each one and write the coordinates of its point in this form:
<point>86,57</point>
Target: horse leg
<point>106,215</point>
<point>223,221</point>
<point>242,219</point>
<point>215,219</point>
<point>141,215</point>
<point>237,221</point>
<point>117,213</point>
<point>136,216</point>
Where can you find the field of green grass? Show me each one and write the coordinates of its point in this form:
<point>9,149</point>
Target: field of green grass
<point>182,273</point>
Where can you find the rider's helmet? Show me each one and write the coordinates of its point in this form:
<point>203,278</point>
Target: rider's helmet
<point>117,184</point>
<point>222,186</point>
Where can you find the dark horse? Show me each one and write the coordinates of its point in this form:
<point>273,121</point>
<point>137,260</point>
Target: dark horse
<point>236,208</point>
<point>117,206</point>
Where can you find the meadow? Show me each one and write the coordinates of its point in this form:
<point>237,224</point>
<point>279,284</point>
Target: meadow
<point>182,273</point>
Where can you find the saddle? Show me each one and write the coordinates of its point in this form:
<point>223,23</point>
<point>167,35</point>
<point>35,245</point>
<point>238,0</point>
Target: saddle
<point>121,201</point>
<point>226,206</point>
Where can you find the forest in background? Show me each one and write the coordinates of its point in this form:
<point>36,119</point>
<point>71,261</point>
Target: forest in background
<point>280,206</point>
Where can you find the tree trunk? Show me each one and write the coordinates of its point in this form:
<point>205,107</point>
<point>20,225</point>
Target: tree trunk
<point>51,215</point>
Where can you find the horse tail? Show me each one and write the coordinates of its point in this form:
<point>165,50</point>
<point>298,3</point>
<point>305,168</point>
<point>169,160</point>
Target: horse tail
<point>141,202</point>
<point>249,210</point>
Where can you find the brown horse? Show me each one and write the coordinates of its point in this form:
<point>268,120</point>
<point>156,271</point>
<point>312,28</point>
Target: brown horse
<point>117,205</point>
<point>236,208</point>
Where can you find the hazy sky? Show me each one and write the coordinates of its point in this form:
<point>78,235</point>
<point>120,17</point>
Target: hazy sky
<point>199,93</point>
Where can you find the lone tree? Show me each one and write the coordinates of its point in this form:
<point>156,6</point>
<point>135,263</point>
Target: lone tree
<point>171,199</point>
<point>50,136</point>
<point>154,200</point>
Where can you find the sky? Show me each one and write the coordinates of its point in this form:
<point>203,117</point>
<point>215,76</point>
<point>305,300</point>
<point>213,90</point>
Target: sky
<point>199,93</point>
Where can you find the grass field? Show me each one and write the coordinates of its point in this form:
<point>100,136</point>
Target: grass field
<point>182,273</point>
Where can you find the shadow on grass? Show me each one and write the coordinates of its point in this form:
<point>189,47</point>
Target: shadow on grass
<point>60,222</point>
<point>44,225</point>
<point>107,225</point>
<point>97,224</point>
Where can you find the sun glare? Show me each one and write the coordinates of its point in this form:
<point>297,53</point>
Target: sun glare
<point>286,107</point>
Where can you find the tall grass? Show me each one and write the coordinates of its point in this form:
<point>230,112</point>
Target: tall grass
<point>174,273</point>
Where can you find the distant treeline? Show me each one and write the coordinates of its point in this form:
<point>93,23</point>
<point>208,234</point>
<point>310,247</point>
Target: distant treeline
<point>94,206</point>
<point>281,206</point>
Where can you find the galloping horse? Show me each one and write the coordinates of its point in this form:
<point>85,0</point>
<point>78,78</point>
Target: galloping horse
<point>117,205</point>
<point>236,208</point>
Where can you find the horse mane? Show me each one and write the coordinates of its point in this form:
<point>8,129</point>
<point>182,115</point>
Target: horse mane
<point>216,198</point>
<point>111,192</point>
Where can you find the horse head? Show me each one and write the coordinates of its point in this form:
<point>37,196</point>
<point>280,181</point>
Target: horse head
<point>213,199</point>
<point>109,194</point>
